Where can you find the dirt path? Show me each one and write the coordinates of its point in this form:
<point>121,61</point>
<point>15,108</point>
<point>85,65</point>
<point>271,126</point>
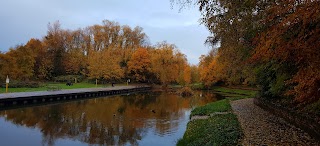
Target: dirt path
<point>263,128</point>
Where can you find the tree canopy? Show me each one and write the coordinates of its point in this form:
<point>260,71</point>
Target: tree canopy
<point>273,44</point>
<point>109,52</point>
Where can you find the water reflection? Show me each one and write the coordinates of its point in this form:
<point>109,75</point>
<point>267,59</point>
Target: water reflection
<point>119,120</point>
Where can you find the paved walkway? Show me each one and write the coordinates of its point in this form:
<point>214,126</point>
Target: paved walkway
<point>263,128</point>
<point>70,91</point>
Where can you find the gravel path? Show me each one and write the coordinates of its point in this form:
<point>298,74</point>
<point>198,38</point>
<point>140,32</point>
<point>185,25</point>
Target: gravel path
<point>262,128</point>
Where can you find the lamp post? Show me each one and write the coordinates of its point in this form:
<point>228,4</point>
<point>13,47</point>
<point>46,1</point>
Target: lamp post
<point>128,81</point>
<point>7,84</point>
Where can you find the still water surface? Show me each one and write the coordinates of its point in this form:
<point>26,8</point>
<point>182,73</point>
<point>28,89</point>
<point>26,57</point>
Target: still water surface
<point>151,118</point>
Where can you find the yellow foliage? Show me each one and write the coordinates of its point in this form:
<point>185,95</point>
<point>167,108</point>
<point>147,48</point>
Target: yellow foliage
<point>207,70</point>
<point>167,63</point>
<point>104,64</point>
<point>187,74</point>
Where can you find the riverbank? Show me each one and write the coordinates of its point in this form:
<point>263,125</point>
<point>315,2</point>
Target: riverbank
<point>60,86</point>
<point>215,123</point>
<point>236,120</point>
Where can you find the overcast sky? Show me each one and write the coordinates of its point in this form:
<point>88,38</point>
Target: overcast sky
<point>21,20</point>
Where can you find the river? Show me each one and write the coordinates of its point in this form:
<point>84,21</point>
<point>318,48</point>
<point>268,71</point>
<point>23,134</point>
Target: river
<point>149,118</point>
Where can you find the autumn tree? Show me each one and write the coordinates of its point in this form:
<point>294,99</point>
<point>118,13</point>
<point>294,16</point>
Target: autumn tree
<point>140,65</point>
<point>95,65</point>
<point>55,46</point>
<point>106,51</point>
<point>187,74</point>
<point>8,66</point>
<point>275,40</point>
<point>130,40</point>
<point>25,60</point>
<point>111,36</point>
<point>194,71</point>
<point>233,25</point>
<point>288,49</point>
<point>22,61</point>
<point>75,59</point>
<point>42,65</point>
<point>167,62</point>
<point>111,63</point>
<point>105,65</point>
<point>208,73</point>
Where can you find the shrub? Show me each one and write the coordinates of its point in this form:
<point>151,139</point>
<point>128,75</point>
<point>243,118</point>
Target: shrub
<point>67,78</point>
<point>22,84</point>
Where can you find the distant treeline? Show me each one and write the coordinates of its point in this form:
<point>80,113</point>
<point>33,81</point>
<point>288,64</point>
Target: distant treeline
<point>108,52</point>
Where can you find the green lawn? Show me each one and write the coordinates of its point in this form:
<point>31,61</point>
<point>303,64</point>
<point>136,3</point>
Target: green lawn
<point>60,85</point>
<point>218,106</point>
<point>220,129</point>
<point>235,94</point>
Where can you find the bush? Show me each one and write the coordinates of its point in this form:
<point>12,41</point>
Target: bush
<point>197,86</point>
<point>22,84</point>
<point>68,78</point>
<point>272,78</point>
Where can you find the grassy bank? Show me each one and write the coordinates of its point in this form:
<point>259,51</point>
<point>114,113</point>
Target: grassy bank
<point>218,129</point>
<point>45,87</point>
<point>218,106</point>
<point>234,92</point>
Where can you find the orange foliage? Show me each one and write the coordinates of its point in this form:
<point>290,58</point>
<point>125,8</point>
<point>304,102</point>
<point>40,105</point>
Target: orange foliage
<point>22,62</point>
<point>108,51</point>
<point>187,74</point>
<point>42,64</point>
<point>207,67</point>
<point>140,65</point>
<point>104,65</point>
<point>293,36</point>
<point>8,66</point>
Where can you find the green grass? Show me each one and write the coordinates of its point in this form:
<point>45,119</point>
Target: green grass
<point>221,129</point>
<point>218,106</point>
<point>60,85</point>
<point>217,130</point>
<point>77,85</point>
<point>235,94</point>
<point>235,91</point>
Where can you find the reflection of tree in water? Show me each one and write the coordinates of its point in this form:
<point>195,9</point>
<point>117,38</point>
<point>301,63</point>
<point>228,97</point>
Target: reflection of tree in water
<point>106,121</point>
<point>50,128</point>
<point>140,100</point>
